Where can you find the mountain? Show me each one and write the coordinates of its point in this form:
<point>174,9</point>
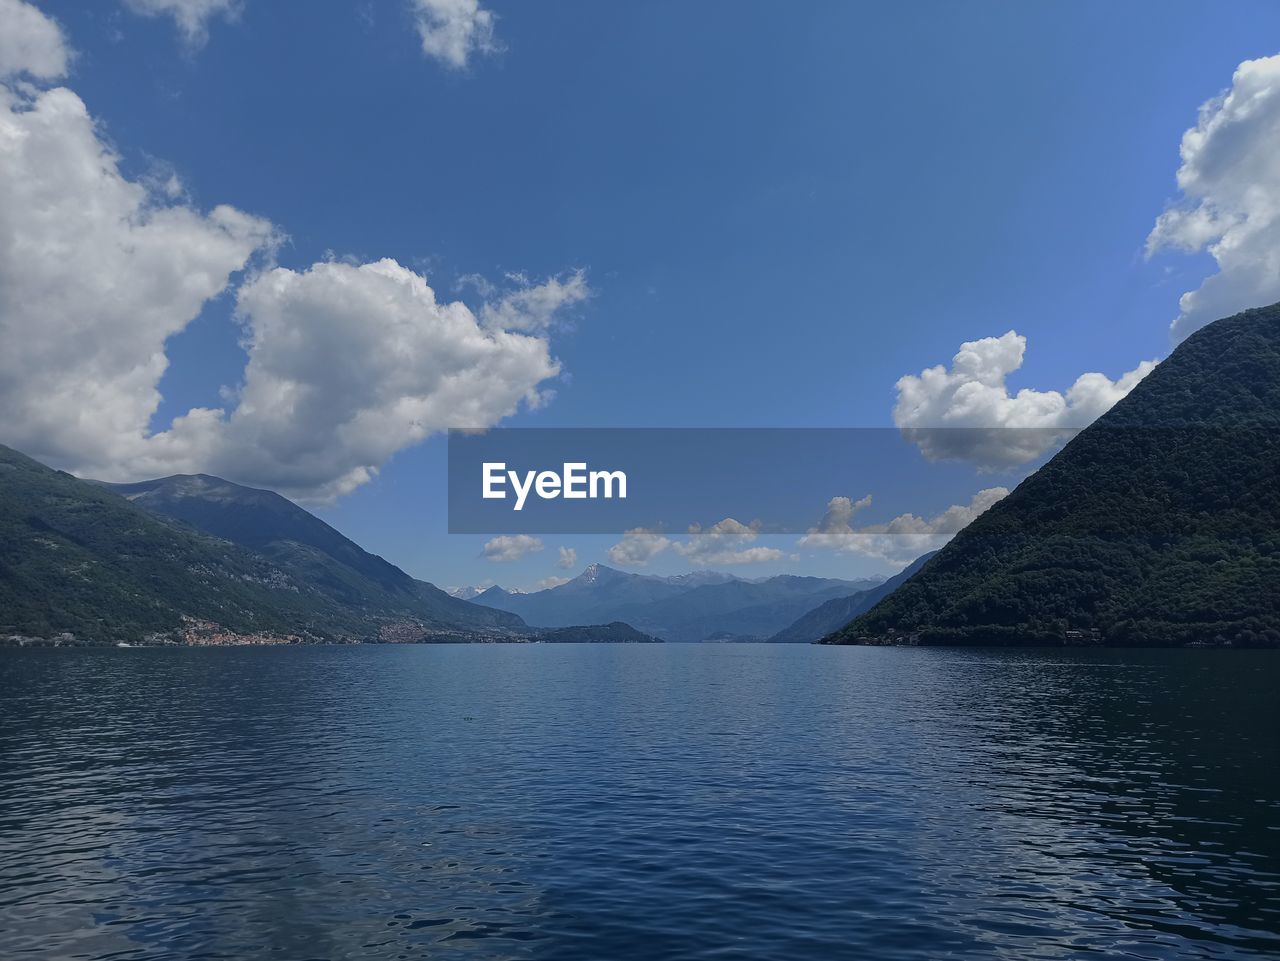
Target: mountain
<point>615,633</point>
<point>493,597</point>
<point>78,559</point>
<point>690,607</point>
<point>1159,525</point>
<point>593,597</point>
<point>743,609</point>
<point>307,547</point>
<point>839,611</point>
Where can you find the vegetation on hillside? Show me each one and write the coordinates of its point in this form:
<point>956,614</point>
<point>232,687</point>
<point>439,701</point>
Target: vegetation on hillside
<point>78,559</point>
<point>1159,525</point>
<point>614,633</point>
<point>310,550</point>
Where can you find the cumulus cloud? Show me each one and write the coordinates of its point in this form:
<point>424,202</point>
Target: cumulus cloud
<point>30,42</point>
<point>638,547</point>
<point>510,547</point>
<point>967,412</point>
<point>191,16</point>
<point>347,363</point>
<point>96,272</point>
<point>835,529</point>
<point>900,540</point>
<point>568,558</point>
<point>726,542</point>
<point>1230,205</point>
<point>452,30</point>
<point>549,582</point>
<point>535,307</point>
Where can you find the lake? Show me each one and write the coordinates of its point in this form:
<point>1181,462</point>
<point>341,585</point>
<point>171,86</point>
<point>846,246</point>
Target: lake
<point>611,803</point>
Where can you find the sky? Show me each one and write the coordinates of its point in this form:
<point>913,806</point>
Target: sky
<point>292,243</point>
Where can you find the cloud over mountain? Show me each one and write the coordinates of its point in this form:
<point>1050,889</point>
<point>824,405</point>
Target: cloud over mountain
<point>1229,178</point>
<point>901,539</point>
<point>347,364</point>
<point>510,547</point>
<point>638,547</point>
<point>1230,207</point>
<point>96,272</point>
<point>967,412</point>
<point>726,542</point>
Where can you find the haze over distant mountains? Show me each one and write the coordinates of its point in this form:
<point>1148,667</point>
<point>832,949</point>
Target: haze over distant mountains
<point>198,559</point>
<point>704,605</point>
<point>1158,525</point>
<point>839,611</point>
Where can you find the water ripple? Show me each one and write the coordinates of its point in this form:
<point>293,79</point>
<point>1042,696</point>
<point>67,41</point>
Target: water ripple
<point>567,802</point>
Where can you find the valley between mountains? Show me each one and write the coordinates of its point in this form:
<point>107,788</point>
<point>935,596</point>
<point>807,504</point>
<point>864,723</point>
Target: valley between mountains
<point>1159,525</point>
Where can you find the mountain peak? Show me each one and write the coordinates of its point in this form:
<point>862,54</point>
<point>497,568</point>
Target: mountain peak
<point>599,572</point>
<point>261,520</point>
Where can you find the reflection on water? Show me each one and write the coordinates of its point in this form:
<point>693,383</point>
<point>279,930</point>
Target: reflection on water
<point>659,802</point>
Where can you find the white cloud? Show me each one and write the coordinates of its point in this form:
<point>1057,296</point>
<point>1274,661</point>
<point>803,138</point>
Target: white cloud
<point>510,547</point>
<point>568,558</point>
<point>191,16</point>
<point>346,364</point>
<point>30,42</point>
<point>96,272</point>
<point>549,582</point>
<point>637,548</point>
<point>534,307</point>
<point>902,539</point>
<point>453,30</point>
<point>997,428</point>
<point>835,530</point>
<point>1230,183</point>
<point>726,542</point>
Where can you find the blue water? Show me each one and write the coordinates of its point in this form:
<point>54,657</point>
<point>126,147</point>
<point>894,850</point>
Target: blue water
<point>610,803</point>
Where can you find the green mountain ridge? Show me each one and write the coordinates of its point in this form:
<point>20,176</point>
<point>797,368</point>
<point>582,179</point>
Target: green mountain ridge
<point>79,560</point>
<point>615,632</point>
<point>1159,525</point>
<point>275,527</point>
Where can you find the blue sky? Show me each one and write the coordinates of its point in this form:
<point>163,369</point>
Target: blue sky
<point>780,209</point>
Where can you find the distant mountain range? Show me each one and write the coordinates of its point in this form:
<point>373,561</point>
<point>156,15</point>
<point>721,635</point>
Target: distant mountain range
<point>688,607</point>
<point>839,611</point>
<point>1158,525</point>
<point>196,559</point>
